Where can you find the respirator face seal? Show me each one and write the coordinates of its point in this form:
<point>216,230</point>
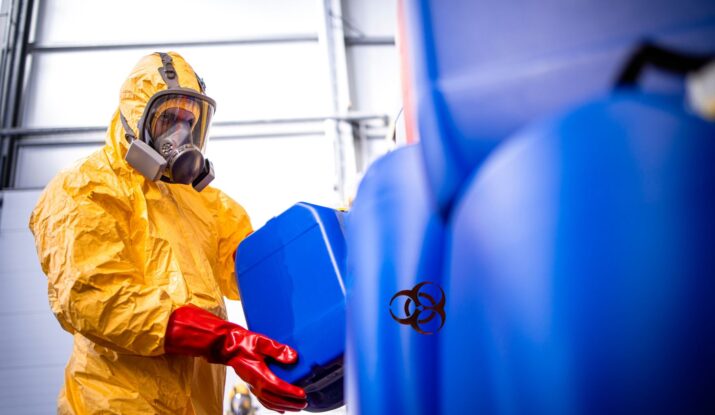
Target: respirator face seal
<point>176,124</point>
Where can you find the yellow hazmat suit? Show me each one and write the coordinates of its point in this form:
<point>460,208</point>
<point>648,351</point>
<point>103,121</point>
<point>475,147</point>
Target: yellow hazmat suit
<point>121,253</point>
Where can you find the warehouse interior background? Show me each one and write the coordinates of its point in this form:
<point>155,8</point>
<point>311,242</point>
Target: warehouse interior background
<point>307,96</point>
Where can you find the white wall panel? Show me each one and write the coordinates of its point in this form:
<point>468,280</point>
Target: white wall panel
<point>23,291</point>
<point>34,349</point>
<point>77,88</point>
<point>16,209</point>
<point>33,339</point>
<point>138,21</point>
<point>37,165</point>
<point>267,176</point>
<point>371,17</point>
<point>247,82</point>
<point>19,254</point>
<point>375,79</point>
<point>30,390</point>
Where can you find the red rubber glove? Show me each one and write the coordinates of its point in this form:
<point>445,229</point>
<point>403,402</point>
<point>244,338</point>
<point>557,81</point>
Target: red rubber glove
<point>196,332</point>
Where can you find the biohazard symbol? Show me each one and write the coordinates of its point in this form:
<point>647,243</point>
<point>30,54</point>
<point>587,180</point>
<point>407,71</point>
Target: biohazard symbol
<point>420,308</point>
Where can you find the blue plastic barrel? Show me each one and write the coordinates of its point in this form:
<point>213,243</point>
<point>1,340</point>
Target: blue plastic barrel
<point>481,70</point>
<point>395,242</point>
<point>581,267</point>
<point>290,275</point>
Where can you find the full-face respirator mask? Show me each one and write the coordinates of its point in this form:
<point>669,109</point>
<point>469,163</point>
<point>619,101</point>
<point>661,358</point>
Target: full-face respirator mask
<point>173,132</point>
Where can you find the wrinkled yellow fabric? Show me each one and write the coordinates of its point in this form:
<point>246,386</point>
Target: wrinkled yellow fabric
<point>121,253</point>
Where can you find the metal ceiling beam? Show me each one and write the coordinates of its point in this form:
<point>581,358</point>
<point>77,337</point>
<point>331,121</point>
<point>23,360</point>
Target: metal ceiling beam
<point>369,41</point>
<point>350,118</point>
<point>297,38</point>
<point>294,38</point>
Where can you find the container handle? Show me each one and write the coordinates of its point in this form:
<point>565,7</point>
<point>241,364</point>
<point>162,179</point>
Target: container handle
<point>662,58</point>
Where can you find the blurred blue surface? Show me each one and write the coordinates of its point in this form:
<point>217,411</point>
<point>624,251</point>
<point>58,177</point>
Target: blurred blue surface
<point>581,268</point>
<point>483,69</point>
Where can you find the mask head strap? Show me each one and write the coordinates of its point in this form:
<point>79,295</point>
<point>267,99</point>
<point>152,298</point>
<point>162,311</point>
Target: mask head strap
<point>167,71</point>
<point>202,85</point>
<point>169,75</point>
<point>128,133</point>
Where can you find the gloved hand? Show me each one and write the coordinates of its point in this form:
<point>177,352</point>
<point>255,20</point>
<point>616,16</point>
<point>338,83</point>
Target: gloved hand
<point>196,332</point>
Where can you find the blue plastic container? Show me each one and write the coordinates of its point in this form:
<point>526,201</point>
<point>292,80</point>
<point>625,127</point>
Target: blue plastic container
<point>290,275</point>
<point>581,267</point>
<point>395,239</point>
<point>481,70</point>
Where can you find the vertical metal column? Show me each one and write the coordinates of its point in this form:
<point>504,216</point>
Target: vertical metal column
<point>331,37</point>
<point>10,10</point>
<point>12,82</point>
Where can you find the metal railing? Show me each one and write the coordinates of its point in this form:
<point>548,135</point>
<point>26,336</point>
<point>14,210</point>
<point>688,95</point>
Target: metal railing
<point>366,127</point>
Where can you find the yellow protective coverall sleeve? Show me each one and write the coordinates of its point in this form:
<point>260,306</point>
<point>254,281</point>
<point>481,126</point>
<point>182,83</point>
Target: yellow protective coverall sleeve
<point>233,226</point>
<point>96,286</point>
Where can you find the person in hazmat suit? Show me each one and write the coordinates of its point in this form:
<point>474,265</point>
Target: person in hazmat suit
<point>240,402</point>
<point>138,253</point>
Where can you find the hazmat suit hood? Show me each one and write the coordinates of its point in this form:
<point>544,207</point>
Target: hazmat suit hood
<point>148,80</point>
<point>143,82</point>
<point>120,253</point>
